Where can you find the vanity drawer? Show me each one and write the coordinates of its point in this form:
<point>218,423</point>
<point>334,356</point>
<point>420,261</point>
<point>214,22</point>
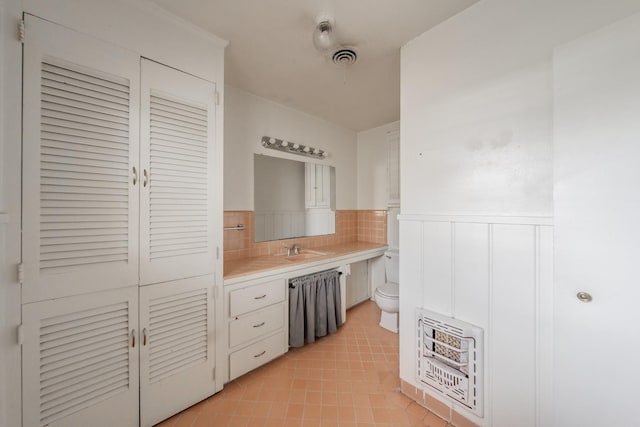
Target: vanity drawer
<point>249,358</point>
<point>255,297</point>
<point>251,326</point>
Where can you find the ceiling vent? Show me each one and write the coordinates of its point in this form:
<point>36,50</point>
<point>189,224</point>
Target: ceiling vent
<point>344,57</point>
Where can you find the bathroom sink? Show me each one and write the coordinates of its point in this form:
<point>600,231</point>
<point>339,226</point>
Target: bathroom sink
<point>305,254</point>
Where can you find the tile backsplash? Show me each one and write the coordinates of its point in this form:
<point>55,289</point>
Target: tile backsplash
<point>351,226</point>
<point>372,226</point>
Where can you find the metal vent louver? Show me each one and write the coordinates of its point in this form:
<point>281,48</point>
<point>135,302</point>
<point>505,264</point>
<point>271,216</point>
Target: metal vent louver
<point>344,57</point>
<point>450,358</point>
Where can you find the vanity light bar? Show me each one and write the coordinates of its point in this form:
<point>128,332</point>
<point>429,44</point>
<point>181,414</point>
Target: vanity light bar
<point>293,148</point>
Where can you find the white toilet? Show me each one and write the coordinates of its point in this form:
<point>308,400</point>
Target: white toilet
<point>387,295</point>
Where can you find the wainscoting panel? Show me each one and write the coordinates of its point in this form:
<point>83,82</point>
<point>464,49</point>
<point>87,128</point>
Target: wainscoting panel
<point>471,273</point>
<point>437,264</point>
<point>494,273</point>
<point>512,324</point>
<point>411,284</point>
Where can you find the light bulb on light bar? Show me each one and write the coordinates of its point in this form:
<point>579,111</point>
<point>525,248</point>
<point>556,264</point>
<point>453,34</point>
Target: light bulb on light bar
<point>292,147</point>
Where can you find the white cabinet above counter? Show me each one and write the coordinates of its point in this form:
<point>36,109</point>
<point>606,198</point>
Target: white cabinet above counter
<point>256,299</point>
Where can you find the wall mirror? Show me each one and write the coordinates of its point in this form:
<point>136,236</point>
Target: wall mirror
<point>292,198</point>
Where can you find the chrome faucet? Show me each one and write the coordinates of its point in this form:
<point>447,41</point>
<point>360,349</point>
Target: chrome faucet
<point>293,250</point>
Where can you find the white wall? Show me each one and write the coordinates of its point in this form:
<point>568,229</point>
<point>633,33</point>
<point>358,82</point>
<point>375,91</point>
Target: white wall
<point>372,166</point>
<point>248,118</point>
<point>10,116</point>
<point>476,105</point>
<point>476,132</point>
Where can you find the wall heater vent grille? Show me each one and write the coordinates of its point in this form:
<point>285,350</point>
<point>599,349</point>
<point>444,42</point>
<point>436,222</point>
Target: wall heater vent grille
<point>450,358</point>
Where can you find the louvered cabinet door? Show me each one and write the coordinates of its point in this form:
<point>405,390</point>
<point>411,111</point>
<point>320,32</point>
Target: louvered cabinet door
<point>80,145</point>
<point>177,356</point>
<point>80,360</point>
<point>177,194</point>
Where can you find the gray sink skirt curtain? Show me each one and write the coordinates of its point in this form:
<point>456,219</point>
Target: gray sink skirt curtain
<point>314,307</point>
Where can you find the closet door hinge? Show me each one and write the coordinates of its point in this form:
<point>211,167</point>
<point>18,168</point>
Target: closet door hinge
<point>20,334</point>
<point>215,292</point>
<point>21,273</point>
<point>217,252</point>
<point>214,373</point>
<point>21,31</point>
<point>217,98</point>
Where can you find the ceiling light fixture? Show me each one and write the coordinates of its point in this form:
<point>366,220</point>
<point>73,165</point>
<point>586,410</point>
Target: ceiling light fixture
<point>324,35</point>
<point>324,40</point>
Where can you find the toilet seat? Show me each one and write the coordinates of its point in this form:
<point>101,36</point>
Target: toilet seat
<point>389,290</point>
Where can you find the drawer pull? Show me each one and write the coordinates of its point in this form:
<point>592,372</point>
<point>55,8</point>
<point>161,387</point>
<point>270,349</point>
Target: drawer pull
<point>260,297</point>
<point>258,325</point>
<point>260,354</point>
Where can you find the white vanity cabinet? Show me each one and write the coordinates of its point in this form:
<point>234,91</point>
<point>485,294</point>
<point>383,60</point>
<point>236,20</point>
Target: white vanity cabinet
<point>256,306</point>
<point>358,286</point>
<point>257,323</point>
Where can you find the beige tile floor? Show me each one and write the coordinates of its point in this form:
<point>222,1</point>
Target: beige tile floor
<point>346,379</point>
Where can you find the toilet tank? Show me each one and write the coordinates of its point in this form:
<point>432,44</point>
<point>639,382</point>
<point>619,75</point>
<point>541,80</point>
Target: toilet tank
<point>392,266</point>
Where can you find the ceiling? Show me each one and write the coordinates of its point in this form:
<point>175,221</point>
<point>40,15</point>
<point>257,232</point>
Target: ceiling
<point>271,53</point>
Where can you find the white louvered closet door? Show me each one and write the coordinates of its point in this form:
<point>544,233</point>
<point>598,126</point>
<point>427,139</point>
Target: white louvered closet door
<point>177,154</point>
<point>80,145</point>
<point>80,360</point>
<point>177,354</point>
